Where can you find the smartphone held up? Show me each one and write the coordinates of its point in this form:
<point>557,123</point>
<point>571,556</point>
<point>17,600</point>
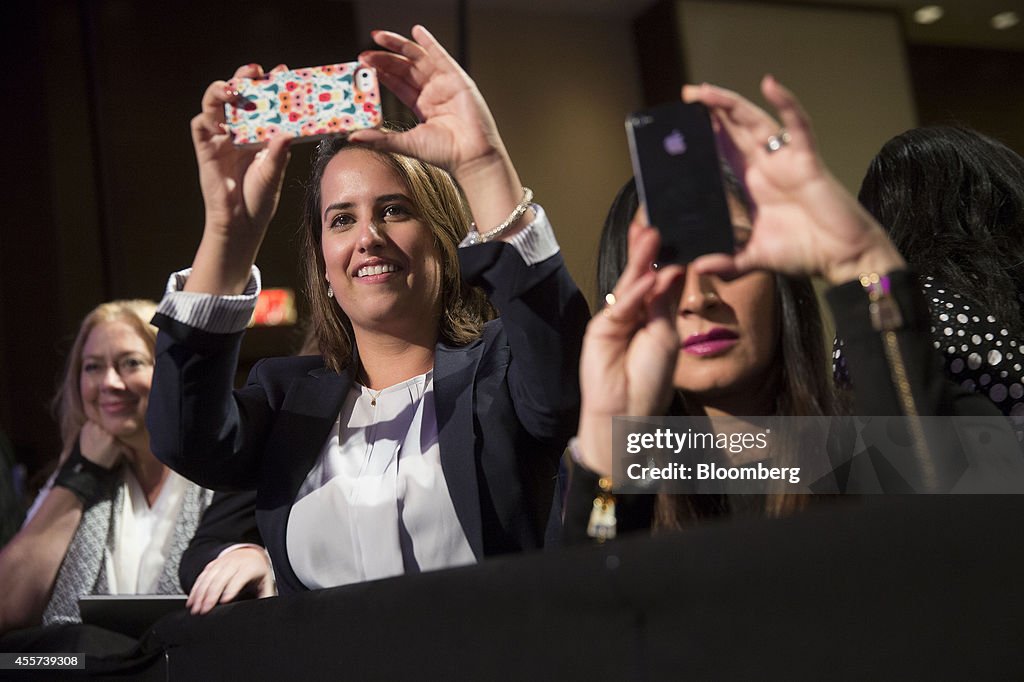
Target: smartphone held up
<point>679,180</point>
<point>309,103</point>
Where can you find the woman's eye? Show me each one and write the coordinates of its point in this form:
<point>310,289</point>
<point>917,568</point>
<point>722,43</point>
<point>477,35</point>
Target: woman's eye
<point>90,367</point>
<point>396,211</point>
<point>341,221</point>
<point>132,364</point>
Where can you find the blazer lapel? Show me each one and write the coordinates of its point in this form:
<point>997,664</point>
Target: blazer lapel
<point>454,375</point>
<point>300,431</point>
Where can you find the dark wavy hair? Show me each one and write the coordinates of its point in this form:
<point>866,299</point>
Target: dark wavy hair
<point>805,384</point>
<point>952,201</point>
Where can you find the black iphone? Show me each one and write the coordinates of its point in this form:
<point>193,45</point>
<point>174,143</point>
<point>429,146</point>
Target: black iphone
<point>679,180</point>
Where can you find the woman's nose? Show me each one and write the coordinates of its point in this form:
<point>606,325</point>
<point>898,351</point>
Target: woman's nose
<point>698,294</point>
<point>370,236</point>
<point>112,378</point>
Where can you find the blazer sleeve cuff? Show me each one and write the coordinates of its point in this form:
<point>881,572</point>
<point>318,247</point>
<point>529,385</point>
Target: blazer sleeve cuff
<point>209,312</point>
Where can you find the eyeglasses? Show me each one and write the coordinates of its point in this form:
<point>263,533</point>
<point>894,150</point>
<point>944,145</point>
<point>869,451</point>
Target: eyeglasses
<point>124,366</point>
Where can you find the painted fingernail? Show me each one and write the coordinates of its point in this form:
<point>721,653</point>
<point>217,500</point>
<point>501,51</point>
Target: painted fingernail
<point>249,106</point>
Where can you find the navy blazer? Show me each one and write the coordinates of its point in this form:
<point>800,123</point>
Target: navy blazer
<point>229,520</point>
<point>506,405</point>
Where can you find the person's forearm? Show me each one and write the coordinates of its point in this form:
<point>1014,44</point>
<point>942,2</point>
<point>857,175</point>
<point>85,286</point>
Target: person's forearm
<point>30,561</point>
<point>493,190</point>
<point>223,264</point>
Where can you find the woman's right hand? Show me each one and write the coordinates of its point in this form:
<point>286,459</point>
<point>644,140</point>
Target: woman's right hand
<point>101,447</point>
<point>241,187</point>
<point>630,349</point>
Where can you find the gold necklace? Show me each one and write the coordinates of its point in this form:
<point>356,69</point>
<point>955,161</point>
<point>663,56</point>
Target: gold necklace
<point>373,398</point>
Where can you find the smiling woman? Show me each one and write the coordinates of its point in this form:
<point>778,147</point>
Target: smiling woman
<point>396,251</point>
<point>112,519</point>
<point>117,369</point>
<point>427,434</point>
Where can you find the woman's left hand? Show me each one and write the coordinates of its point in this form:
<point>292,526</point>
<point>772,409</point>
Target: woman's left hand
<point>457,132</point>
<point>805,222</point>
<point>226,576</point>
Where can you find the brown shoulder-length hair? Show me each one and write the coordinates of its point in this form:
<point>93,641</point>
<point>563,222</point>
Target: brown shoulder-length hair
<point>439,202</point>
<point>67,404</point>
<point>801,368</point>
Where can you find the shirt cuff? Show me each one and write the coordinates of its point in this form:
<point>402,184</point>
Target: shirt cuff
<point>535,243</point>
<point>239,545</point>
<point>266,555</point>
<point>210,312</point>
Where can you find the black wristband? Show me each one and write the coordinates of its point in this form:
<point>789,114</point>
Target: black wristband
<point>87,480</point>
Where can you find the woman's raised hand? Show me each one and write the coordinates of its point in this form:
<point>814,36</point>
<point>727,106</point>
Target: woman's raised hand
<point>241,187</point>
<point>805,222</point>
<point>457,131</point>
<point>630,348</point>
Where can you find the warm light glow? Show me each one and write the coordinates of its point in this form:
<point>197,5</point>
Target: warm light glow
<point>274,307</point>
<point>1005,20</point>
<point>928,14</point>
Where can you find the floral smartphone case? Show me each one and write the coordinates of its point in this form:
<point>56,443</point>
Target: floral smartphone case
<point>308,103</point>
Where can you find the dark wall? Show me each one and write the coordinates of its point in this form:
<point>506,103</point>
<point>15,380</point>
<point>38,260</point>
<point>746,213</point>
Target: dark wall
<point>29,280</point>
<point>105,200</point>
<point>982,89</point>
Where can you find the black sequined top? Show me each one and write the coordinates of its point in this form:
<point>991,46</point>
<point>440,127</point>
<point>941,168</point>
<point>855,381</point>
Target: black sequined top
<point>978,352</point>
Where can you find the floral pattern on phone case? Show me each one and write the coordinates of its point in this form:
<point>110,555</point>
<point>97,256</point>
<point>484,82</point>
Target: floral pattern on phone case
<point>308,103</point>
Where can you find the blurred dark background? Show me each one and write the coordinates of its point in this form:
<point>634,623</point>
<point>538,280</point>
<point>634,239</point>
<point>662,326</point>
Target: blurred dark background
<point>102,199</point>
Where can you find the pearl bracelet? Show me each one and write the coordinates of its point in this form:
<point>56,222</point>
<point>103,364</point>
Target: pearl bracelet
<point>475,237</point>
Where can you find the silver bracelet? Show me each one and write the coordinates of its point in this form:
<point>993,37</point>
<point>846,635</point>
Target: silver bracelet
<point>475,237</point>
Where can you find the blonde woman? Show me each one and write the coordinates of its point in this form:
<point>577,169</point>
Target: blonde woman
<point>113,519</point>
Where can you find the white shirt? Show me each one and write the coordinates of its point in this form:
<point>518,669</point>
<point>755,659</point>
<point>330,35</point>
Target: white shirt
<point>143,536</point>
<point>140,541</point>
<point>376,504</point>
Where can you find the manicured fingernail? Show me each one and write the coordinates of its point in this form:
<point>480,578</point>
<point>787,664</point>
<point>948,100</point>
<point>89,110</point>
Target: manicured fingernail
<point>249,106</point>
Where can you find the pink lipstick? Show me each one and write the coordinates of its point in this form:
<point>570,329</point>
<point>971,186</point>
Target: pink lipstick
<point>717,340</point>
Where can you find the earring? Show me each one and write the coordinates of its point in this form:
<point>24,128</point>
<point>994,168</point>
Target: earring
<point>330,291</point>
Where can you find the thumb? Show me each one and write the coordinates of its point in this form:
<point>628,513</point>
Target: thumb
<point>663,302</point>
<point>726,266</point>
<point>369,136</point>
<point>275,158</point>
<point>404,143</point>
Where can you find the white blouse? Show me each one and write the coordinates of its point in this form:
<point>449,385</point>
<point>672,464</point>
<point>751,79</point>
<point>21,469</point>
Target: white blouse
<point>142,535</point>
<point>376,503</point>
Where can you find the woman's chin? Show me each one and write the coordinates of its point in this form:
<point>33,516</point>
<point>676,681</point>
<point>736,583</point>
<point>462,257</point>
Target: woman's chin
<point>126,429</point>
